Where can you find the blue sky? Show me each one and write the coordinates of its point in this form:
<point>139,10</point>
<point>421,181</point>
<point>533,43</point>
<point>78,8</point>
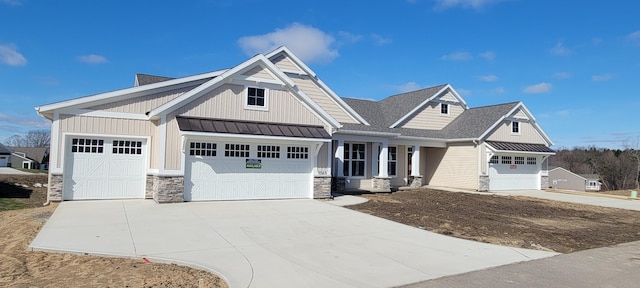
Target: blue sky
<point>575,64</point>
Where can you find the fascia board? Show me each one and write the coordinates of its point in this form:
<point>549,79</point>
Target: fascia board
<point>150,88</point>
<point>417,108</point>
<point>455,94</point>
<point>532,120</point>
<point>367,133</point>
<point>295,59</point>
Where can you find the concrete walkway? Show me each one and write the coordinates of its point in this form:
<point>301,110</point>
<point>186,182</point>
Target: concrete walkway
<point>278,243</point>
<point>616,266</point>
<point>11,171</point>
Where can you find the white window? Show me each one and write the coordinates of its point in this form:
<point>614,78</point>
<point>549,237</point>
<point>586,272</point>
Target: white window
<point>268,151</point>
<point>531,161</point>
<point>593,185</point>
<point>236,150</point>
<point>256,98</point>
<point>82,145</point>
<point>202,149</point>
<point>444,109</point>
<point>296,152</point>
<point>515,127</point>
<point>506,159</point>
<point>392,160</point>
<point>494,159</point>
<point>519,160</point>
<point>354,161</point>
<point>127,147</point>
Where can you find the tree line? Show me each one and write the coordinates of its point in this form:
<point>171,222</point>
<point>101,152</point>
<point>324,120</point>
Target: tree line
<point>618,168</point>
<point>33,138</point>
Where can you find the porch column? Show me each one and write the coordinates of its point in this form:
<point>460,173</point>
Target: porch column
<point>375,156</point>
<point>340,159</point>
<point>415,161</point>
<point>383,168</point>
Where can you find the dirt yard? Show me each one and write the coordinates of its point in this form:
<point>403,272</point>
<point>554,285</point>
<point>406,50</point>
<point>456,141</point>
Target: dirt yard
<point>22,268</point>
<point>512,221</point>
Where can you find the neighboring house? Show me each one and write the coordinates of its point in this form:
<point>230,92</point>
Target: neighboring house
<point>269,128</point>
<point>564,179</point>
<point>5,156</point>
<point>30,157</point>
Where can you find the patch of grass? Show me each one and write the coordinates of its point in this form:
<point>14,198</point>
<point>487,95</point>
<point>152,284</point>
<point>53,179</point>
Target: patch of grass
<point>11,204</point>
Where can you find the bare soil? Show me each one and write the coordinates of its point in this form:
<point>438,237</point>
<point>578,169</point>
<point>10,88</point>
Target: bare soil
<point>22,268</point>
<point>505,220</point>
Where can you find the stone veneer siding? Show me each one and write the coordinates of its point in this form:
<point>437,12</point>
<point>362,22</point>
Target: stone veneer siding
<point>168,189</point>
<point>54,192</point>
<point>415,181</point>
<point>483,183</point>
<point>544,181</point>
<point>321,187</point>
<point>148,192</point>
<point>381,184</point>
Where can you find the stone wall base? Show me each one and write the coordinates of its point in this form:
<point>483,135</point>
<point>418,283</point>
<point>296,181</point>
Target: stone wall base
<point>321,187</point>
<point>544,182</point>
<point>168,189</point>
<point>55,189</point>
<point>148,191</point>
<point>338,184</point>
<point>483,183</point>
<point>381,184</point>
<point>415,181</point>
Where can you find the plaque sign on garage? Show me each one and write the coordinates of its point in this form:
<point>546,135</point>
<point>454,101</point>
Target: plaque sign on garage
<point>253,163</point>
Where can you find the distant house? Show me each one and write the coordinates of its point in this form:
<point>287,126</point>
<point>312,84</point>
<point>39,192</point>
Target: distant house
<point>30,157</point>
<point>5,156</point>
<point>561,178</point>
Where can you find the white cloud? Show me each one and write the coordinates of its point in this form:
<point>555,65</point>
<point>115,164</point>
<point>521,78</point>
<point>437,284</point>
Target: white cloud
<point>457,56</point>
<point>347,37</point>
<point>561,75</point>
<point>560,50</point>
<point>92,59</point>
<point>463,92</point>
<point>498,90</point>
<point>488,78</point>
<point>11,2</point>
<point>472,4</point>
<point>634,37</point>
<point>379,40</point>
<point>602,77</point>
<point>9,55</point>
<point>407,87</point>
<point>539,88</point>
<point>308,43</point>
<point>489,55</point>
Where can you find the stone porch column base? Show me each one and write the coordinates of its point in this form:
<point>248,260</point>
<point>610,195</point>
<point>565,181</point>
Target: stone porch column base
<point>321,187</point>
<point>381,184</point>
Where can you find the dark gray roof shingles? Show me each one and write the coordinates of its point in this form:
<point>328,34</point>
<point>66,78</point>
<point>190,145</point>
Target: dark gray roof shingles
<point>145,79</point>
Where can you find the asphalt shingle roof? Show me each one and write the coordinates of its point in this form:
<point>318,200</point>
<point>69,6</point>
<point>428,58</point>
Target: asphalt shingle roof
<point>145,79</point>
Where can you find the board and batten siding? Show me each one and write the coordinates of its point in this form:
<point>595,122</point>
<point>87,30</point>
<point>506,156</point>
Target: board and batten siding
<point>104,126</point>
<point>528,134</point>
<point>322,99</point>
<point>142,104</point>
<point>454,166</point>
<point>431,118</point>
<point>283,62</point>
<point>227,102</point>
<point>259,72</point>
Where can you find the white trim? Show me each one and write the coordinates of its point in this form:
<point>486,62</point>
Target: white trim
<point>425,102</point>
<point>144,89</point>
<point>448,109</point>
<point>162,142</point>
<point>368,133</point>
<point>265,98</point>
<point>519,130</point>
<point>54,151</point>
<point>246,136</point>
<point>364,176</point>
<point>103,114</point>
<point>532,121</point>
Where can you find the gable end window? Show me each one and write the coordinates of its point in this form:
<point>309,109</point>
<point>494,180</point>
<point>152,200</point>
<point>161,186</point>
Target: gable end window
<point>256,98</point>
<point>515,127</point>
<point>444,109</point>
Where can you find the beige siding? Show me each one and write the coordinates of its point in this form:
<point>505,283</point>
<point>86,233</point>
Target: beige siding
<point>449,97</point>
<point>528,134</point>
<point>521,115</point>
<point>283,62</point>
<point>107,126</point>
<point>322,99</point>
<point>430,118</point>
<point>454,166</point>
<point>142,104</point>
<point>483,158</point>
<point>259,72</point>
<point>227,102</point>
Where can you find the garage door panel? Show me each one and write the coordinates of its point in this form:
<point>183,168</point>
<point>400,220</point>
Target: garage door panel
<point>513,177</point>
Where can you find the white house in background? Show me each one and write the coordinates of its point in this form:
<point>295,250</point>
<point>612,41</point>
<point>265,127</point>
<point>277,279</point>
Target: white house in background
<point>270,128</point>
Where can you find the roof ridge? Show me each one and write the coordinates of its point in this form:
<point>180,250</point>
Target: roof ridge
<point>414,91</point>
<point>494,105</point>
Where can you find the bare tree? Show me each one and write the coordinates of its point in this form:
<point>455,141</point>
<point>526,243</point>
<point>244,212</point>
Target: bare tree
<point>33,138</point>
<point>632,147</point>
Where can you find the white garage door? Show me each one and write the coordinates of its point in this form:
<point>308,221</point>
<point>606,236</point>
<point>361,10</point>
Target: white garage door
<point>508,172</point>
<point>237,171</point>
<point>4,160</point>
<point>104,168</point>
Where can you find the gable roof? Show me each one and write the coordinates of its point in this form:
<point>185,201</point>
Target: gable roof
<point>475,122</point>
<point>33,153</point>
<point>583,176</point>
<point>145,79</point>
<point>4,150</point>
<point>402,106</point>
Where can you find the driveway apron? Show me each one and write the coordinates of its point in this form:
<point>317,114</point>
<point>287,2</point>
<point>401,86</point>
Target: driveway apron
<point>275,243</point>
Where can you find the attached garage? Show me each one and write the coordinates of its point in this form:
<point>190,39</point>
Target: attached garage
<point>516,166</point>
<point>224,160</point>
<point>104,168</point>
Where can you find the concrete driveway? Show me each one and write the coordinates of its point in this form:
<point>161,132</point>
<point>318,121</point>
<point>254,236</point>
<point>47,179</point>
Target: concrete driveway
<point>11,171</point>
<point>276,243</point>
